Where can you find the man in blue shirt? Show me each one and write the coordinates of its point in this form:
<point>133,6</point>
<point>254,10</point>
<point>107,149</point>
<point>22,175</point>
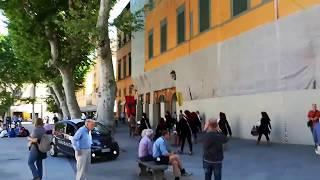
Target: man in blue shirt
<point>81,143</point>
<point>162,155</point>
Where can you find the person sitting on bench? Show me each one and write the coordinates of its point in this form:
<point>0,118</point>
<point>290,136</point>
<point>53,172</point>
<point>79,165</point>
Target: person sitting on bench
<point>145,145</point>
<point>162,155</point>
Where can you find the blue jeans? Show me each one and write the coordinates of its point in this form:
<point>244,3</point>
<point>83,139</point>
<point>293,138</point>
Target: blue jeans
<point>35,158</point>
<point>215,167</point>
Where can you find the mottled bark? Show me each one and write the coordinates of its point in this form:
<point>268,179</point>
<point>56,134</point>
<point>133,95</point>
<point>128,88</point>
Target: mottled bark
<point>69,90</point>
<point>107,87</point>
<point>58,92</point>
<point>66,73</point>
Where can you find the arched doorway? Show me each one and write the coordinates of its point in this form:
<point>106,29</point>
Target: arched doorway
<point>174,103</point>
<point>162,106</point>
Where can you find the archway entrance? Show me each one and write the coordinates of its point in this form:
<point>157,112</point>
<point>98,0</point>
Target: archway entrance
<point>174,103</point>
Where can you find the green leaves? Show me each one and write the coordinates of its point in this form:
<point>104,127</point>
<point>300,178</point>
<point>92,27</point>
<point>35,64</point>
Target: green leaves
<point>128,22</point>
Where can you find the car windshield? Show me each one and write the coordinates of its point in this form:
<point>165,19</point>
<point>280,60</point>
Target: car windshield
<point>100,129</point>
<point>80,124</point>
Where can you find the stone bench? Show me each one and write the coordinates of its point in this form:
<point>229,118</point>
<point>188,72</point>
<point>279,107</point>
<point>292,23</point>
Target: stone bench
<point>157,170</point>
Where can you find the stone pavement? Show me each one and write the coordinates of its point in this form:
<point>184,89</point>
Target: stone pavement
<point>14,162</point>
<point>243,161</point>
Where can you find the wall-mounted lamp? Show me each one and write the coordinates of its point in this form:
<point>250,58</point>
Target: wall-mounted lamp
<point>173,75</point>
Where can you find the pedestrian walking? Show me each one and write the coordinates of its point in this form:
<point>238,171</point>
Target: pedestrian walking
<point>313,117</point>
<point>169,121</point>
<point>264,128</point>
<point>213,141</point>
<point>174,117</point>
<point>160,128</point>
<point>81,142</point>
<point>195,124</point>
<point>35,155</point>
<point>185,132</point>
<point>132,125</point>
<point>224,124</point>
<point>316,136</point>
<point>144,123</point>
<point>180,115</point>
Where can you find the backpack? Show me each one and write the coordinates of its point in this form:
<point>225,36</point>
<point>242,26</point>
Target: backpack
<point>45,143</point>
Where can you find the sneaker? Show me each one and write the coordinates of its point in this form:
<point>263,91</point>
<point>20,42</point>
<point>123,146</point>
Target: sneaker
<point>317,151</point>
<point>190,153</point>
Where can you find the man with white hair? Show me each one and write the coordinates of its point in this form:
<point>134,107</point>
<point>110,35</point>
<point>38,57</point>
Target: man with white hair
<point>213,142</point>
<point>82,141</point>
<point>145,145</point>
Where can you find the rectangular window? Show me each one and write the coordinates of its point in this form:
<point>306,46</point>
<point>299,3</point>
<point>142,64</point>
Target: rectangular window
<point>129,64</point>
<point>151,4</point>
<point>181,24</point>
<point>150,44</point>
<point>124,67</point>
<point>119,70</point>
<point>204,15</point>
<point>239,6</point>
<point>163,35</point>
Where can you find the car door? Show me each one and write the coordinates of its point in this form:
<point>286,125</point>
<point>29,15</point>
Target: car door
<point>59,131</point>
<point>70,131</point>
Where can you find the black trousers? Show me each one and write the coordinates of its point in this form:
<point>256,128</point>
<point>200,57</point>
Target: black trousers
<point>183,138</point>
<point>265,134</point>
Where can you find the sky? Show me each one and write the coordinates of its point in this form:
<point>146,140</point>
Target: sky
<point>3,25</point>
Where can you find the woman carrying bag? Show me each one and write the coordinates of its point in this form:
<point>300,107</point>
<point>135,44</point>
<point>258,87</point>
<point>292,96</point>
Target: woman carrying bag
<point>35,156</point>
<point>265,127</point>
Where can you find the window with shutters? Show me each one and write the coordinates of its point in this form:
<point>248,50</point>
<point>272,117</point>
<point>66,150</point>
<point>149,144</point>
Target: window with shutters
<point>204,15</point>
<point>129,58</point>
<point>119,70</point>
<point>124,67</point>
<point>181,24</point>
<point>150,44</point>
<point>163,35</point>
<point>239,6</point>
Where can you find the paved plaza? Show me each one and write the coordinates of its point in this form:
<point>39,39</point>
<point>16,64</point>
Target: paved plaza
<point>243,161</point>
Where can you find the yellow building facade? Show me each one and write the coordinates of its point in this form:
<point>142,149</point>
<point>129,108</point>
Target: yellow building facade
<point>223,25</point>
<point>240,57</point>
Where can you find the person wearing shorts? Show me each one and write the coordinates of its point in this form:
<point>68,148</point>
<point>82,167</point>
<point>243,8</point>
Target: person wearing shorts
<point>162,155</point>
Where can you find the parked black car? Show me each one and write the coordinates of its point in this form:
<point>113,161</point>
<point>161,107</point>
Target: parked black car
<point>104,145</point>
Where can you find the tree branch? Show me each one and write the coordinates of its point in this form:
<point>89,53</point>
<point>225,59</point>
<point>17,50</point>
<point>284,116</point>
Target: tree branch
<point>54,48</point>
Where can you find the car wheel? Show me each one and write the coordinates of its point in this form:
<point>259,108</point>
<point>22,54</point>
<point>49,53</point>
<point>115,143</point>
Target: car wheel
<point>53,151</point>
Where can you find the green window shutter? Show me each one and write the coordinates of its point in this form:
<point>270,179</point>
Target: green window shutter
<point>129,64</point>
<point>125,67</point>
<point>150,44</point>
<point>239,6</point>
<point>164,36</point>
<point>204,15</point>
<point>119,70</point>
<point>181,24</point>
